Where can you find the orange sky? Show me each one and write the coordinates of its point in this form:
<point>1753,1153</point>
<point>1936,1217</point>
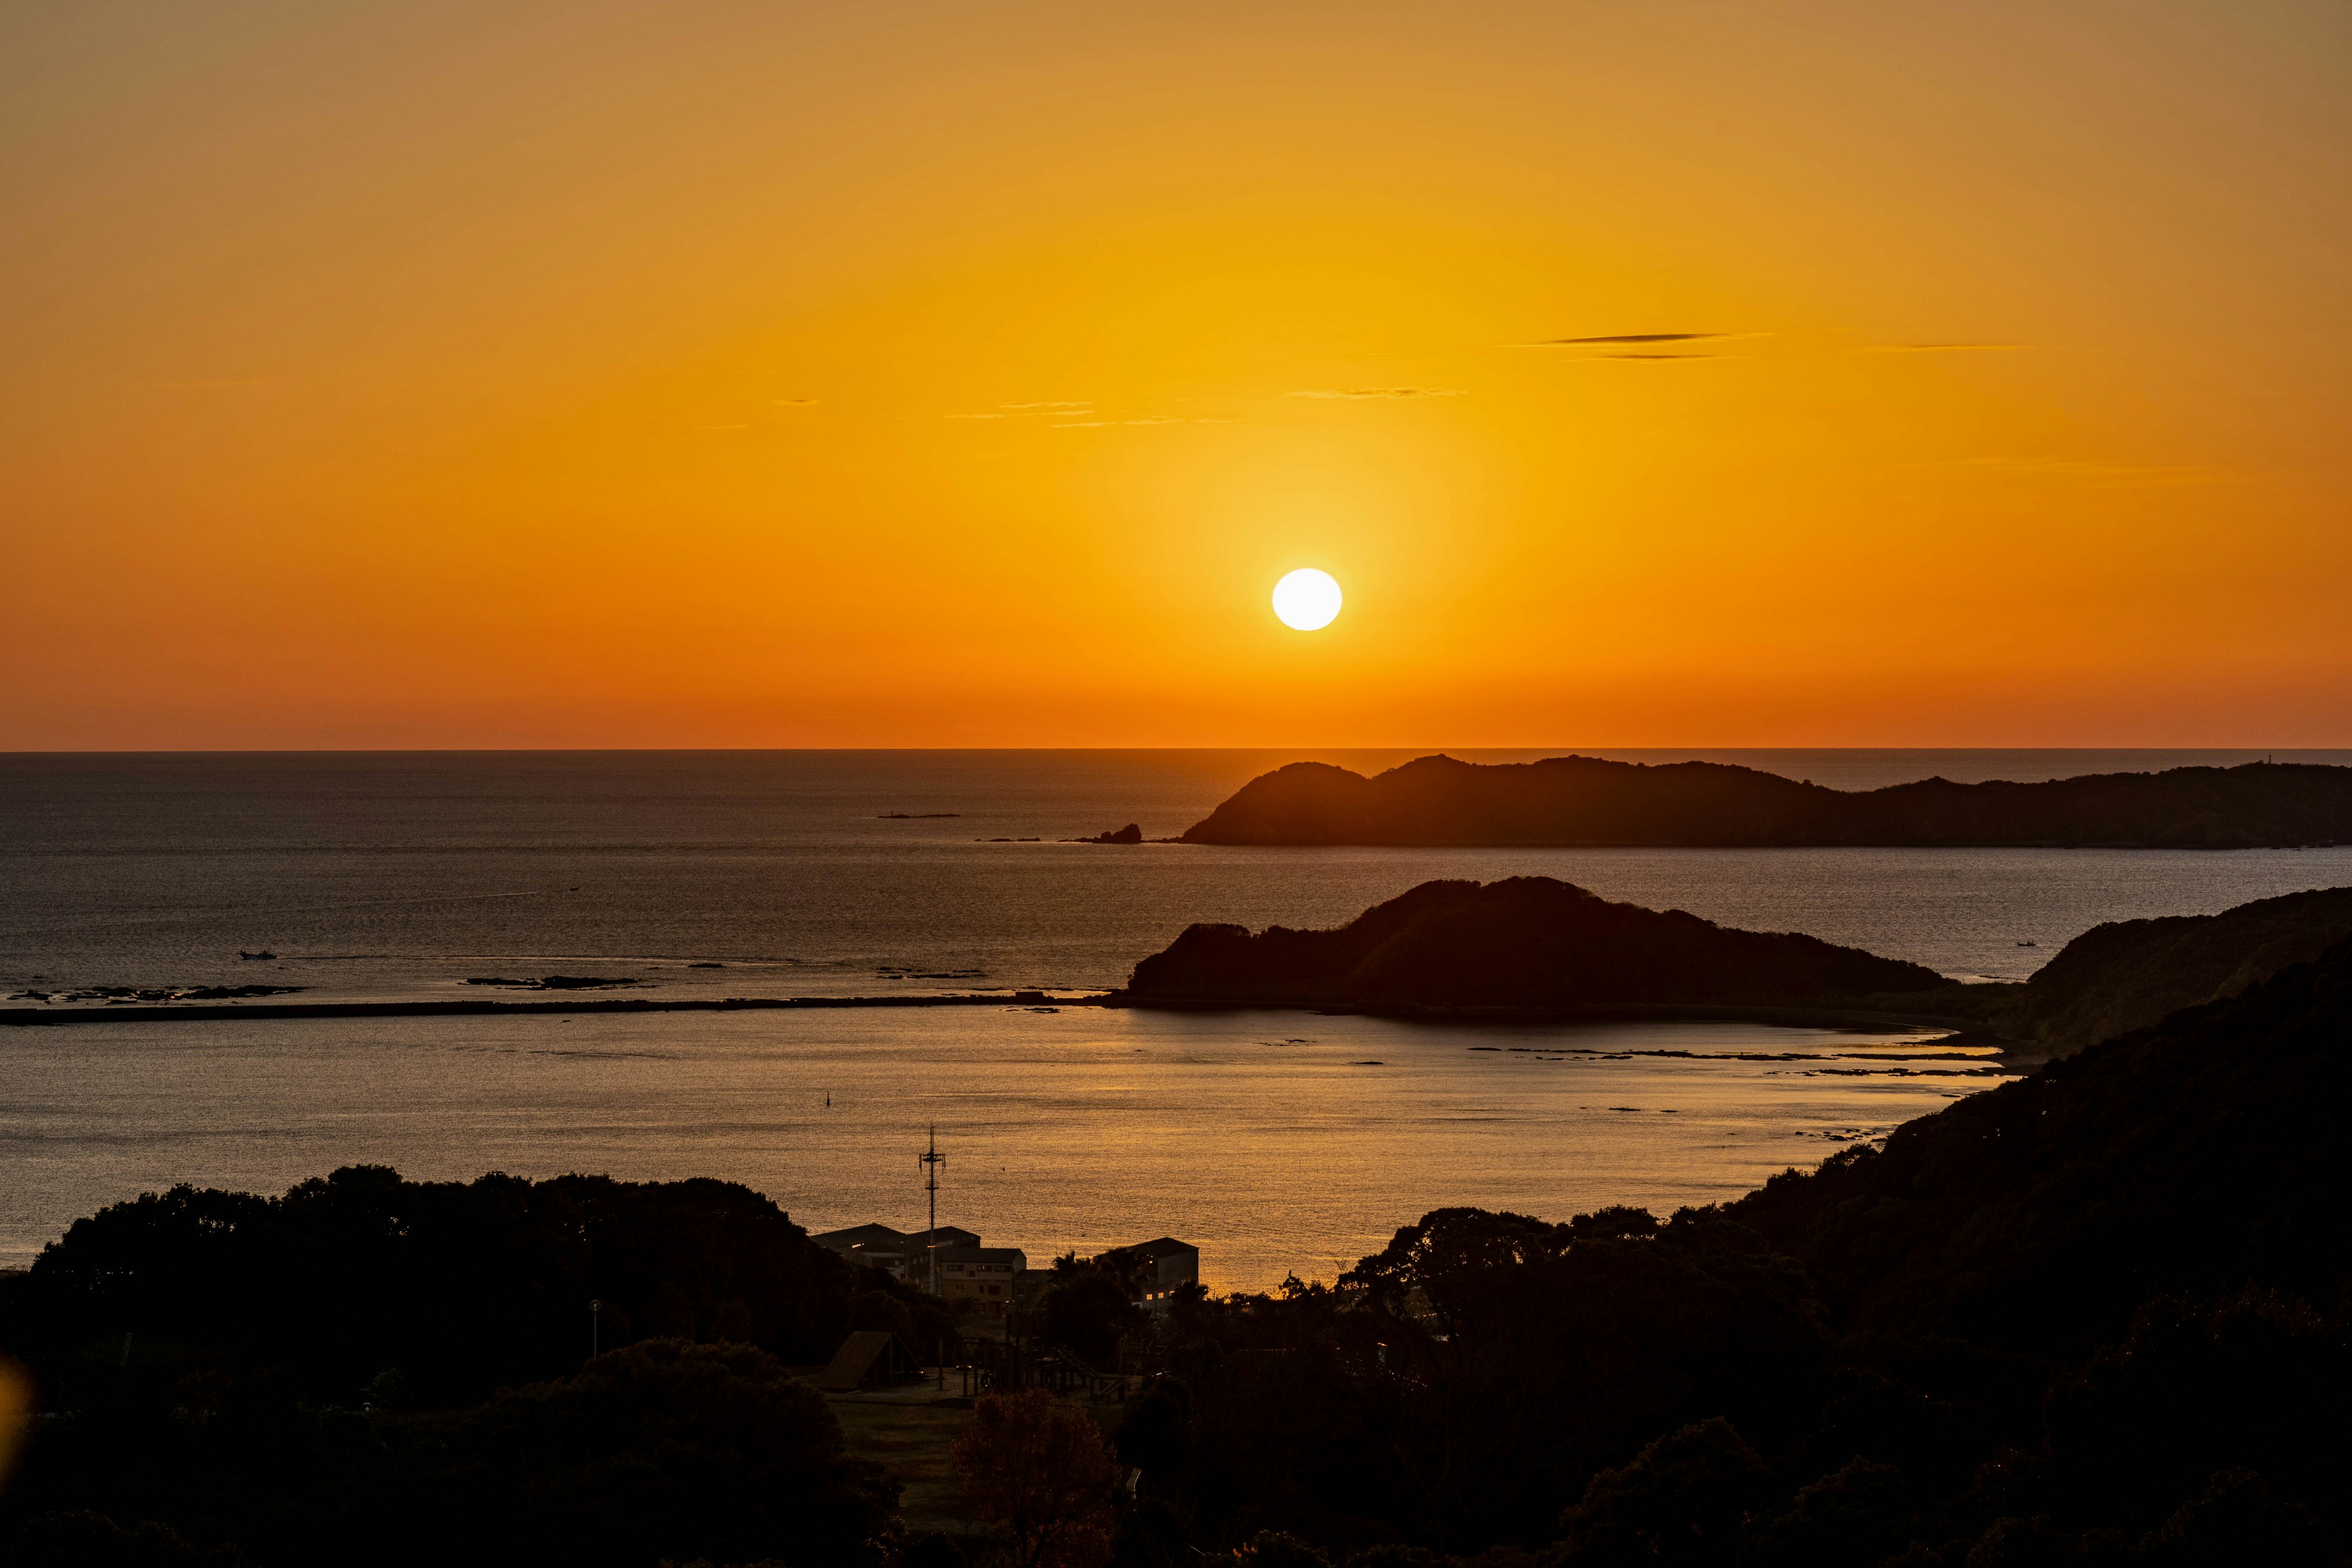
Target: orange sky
<point>780,374</point>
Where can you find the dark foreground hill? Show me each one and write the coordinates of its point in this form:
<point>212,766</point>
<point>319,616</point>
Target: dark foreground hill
<point>369,1370</point>
<point>2095,1316</point>
<point>1588,801</point>
<point>2101,1316</point>
<point>1526,942</point>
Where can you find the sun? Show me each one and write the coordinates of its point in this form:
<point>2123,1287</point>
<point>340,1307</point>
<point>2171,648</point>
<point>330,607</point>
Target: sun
<point>1307,600</point>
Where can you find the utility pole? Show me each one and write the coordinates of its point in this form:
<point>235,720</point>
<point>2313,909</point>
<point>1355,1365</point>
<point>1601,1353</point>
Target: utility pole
<point>932,1160</point>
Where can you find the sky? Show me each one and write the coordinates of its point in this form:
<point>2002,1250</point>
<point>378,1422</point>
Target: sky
<point>752,373</point>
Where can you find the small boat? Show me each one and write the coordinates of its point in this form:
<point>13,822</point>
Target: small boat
<point>264,952</point>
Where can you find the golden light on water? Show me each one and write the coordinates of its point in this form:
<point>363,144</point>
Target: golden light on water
<point>1307,600</point>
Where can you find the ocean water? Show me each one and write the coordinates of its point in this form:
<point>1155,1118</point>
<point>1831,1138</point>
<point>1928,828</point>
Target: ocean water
<point>406,876</point>
<point>1274,1141</point>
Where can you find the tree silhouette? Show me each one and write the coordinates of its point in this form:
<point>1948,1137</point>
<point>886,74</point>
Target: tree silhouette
<point>1040,1471</point>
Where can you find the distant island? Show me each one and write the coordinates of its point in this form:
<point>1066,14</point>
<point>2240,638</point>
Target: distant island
<point>1535,944</point>
<point>1586,800</point>
<point>1530,943</point>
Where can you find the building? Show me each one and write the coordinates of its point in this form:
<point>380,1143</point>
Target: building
<point>983,1274</point>
<point>998,1278</point>
<point>1159,1268</point>
<point>904,1254</point>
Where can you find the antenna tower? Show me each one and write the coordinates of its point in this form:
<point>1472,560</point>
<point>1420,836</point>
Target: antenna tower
<point>932,1160</point>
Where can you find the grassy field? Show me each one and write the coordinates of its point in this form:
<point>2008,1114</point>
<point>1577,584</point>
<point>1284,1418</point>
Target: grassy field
<point>911,1441</point>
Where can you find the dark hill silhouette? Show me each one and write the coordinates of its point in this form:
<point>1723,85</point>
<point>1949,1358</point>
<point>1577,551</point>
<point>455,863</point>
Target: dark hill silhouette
<point>2128,974</point>
<point>2101,1315</point>
<point>455,1288</point>
<point>1528,941</point>
<point>2203,1155</point>
<point>2095,1316</point>
<point>1588,801</point>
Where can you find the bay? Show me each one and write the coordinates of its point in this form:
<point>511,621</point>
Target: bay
<point>404,876</point>
<point>1276,1142</point>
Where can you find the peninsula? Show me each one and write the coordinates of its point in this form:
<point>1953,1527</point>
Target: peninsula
<point>1587,801</point>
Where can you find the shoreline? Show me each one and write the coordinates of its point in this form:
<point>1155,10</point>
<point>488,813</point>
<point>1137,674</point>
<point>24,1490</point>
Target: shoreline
<point>1962,1031</point>
<point>210,1012</point>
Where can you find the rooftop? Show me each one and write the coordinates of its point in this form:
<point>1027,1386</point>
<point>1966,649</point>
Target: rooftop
<point>880,1237</point>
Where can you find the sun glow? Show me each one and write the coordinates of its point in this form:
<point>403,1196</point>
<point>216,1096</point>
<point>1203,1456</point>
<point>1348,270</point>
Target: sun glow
<point>737,394</point>
<point>1307,600</point>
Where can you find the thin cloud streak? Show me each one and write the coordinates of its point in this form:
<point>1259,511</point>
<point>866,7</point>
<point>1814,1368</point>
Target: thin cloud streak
<point>1608,338</point>
<point>1047,410</point>
<point>1343,392</point>
<point>1147,419</point>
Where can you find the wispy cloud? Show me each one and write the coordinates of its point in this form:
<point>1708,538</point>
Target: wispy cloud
<point>1079,414</point>
<point>1147,419</point>
<point>1383,392</point>
<point>794,402</point>
<point>1606,339</point>
<point>1668,357</point>
<point>1939,348</point>
<point>1032,410</point>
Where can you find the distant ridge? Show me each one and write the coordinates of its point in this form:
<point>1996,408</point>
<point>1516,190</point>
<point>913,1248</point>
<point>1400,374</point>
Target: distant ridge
<point>1587,801</point>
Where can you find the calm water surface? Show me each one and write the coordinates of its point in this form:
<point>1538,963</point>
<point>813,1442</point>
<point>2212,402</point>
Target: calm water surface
<point>405,875</point>
<point>1276,1142</point>
<point>396,876</point>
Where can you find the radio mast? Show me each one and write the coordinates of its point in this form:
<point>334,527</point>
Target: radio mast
<point>932,1160</point>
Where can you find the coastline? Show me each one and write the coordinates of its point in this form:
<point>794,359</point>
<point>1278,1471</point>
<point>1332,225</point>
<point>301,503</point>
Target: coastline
<point>1961,1031</point>
<point>31,1017</point>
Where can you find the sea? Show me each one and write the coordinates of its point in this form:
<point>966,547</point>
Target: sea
<point>1279,1142</point>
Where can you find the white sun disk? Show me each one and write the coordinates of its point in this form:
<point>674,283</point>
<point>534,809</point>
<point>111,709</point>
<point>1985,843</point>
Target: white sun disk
<point>1307,600</point>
